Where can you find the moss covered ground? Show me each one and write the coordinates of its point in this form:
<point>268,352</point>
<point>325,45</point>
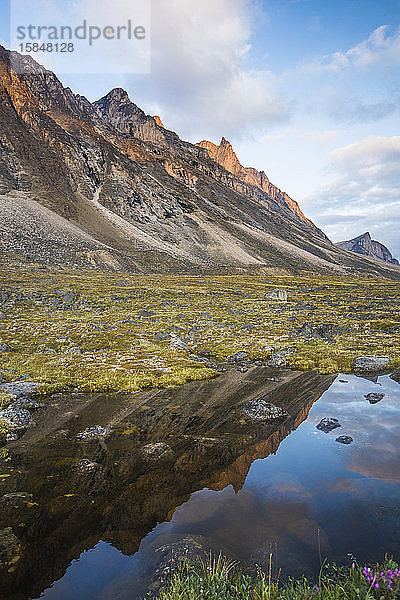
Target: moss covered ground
<point>100,331</point>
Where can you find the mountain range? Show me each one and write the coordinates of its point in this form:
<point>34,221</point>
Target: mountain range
<point>103,184</point>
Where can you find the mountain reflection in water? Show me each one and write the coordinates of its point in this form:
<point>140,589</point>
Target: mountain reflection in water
<point>218,486</point>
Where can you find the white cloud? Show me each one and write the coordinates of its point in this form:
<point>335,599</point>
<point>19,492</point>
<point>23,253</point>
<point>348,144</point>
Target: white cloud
<point>365,194</point>
<point>200,76</point>
<point>382,46</point>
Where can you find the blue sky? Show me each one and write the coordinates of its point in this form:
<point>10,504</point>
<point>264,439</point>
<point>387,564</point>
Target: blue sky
<point>307,90</point>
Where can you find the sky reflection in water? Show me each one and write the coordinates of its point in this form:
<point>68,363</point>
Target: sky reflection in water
<point>349,494</point>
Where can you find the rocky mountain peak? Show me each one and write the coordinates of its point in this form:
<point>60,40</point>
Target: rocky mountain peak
<point>365,236</point>
<point>365,245</point>
<point>225,155</point>
<point>116,95</point>
<point>158,121</point>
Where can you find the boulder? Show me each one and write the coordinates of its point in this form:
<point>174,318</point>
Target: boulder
<point>156,451</point>
<point>177,343</point>
<point>278,359</point>
<point>370,364</point>
<point>15,418</point>
<point>86,466</point>
<point>259,410</point>
<point>238,357</point>
<point>328,424</point>
<point>374,398</point>
<point>395,376</point>
<point>17,508</point>
<point>74,350</point>
<point>146,313</point>
<point>327,331</point>
<point>92,433</point>
<point>19,388</point>
<point>344,439</point>
<point>280,295</point>
<point>26,404</point>
<point>5,348</point>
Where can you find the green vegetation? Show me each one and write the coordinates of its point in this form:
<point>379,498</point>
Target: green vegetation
<point>219,580</point>
<point>99,339</point>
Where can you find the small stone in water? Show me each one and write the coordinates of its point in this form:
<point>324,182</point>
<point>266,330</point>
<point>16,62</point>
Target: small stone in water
<point>344,439</point>
<point>259,410</point>
<point>93,432</point>
<point>328,424</point>
<point>374,398</point>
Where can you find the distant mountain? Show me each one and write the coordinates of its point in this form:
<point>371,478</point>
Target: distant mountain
<point>365,245</point>
<point>103,184</point>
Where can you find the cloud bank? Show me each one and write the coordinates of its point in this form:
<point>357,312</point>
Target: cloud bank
<point>365,193</point>
<point>200,72</point>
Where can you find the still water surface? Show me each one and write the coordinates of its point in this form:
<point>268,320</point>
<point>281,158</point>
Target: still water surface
<point>350,494</point>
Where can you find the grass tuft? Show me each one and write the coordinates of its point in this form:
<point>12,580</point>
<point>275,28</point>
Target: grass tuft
<point>220,580</point>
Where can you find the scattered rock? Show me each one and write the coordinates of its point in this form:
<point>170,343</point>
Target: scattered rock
<point>278,359</point>
<point>326,331</point>
<point>156,451</point>
<point>374,398</point>
<point>87,466</point>
<point>162,336</point>
<point>16,418</point>
<point>395,376</point>
<point>61,434</point>
<point>70,298</point>
<point>5,348</point>
<point>280,295</point>
<point>74,350</point>
<point>19,388</point>
<point>370,364</point>
<point>328,424</point>
<point>344,439</point>
<point>177,343</point>
<point>26,404</point>
<point>259,410</point>
<point>392,329</point>
<point>145,313</point>
<point>92,433</point>
<point>237,358</point>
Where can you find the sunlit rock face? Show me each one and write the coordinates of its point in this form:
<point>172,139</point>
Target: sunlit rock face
<point>103,184</point>
<point>226,157</point>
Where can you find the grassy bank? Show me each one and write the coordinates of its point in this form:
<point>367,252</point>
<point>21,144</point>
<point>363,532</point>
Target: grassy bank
<point>104,331</point>
<point>219,580</point>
